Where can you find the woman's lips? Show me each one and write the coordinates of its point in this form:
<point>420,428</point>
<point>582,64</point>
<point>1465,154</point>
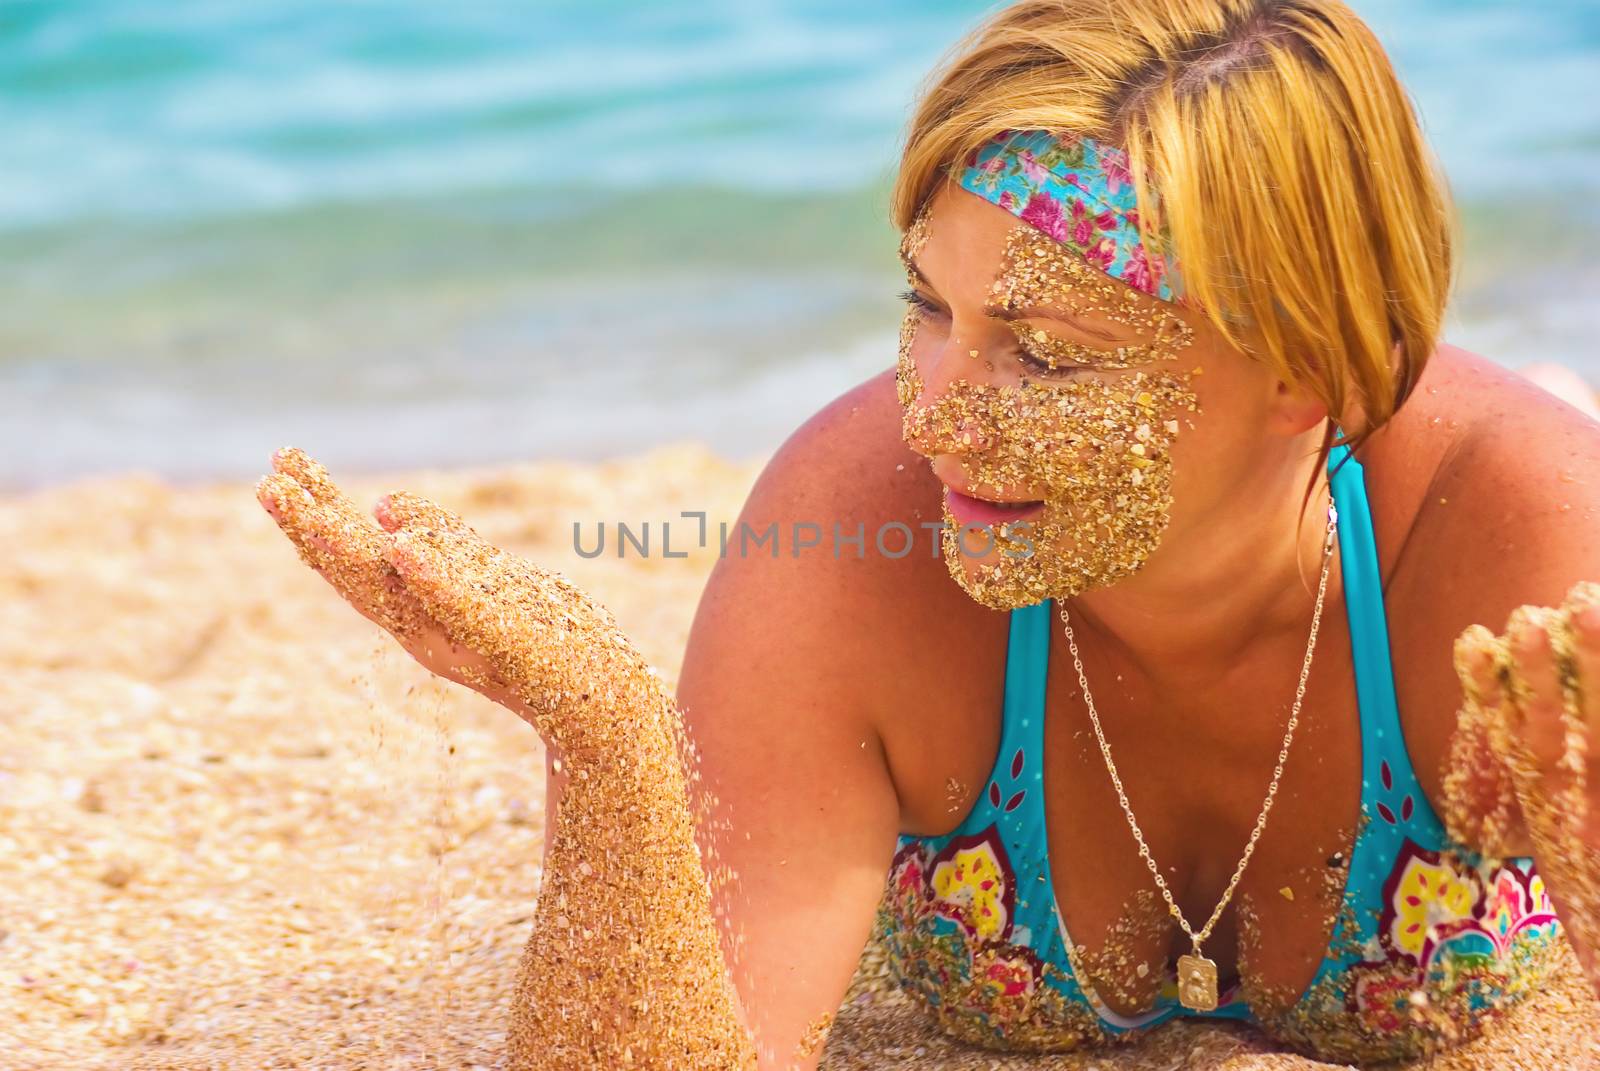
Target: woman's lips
<point>968,510</point>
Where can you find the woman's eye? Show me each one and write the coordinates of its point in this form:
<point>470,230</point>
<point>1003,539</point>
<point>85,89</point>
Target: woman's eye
<point>1042,367</point>
<point>1049,354</point>
<point>920,303</point>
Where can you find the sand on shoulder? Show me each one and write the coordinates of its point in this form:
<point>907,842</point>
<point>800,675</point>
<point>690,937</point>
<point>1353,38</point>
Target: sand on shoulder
<point>240,829</point>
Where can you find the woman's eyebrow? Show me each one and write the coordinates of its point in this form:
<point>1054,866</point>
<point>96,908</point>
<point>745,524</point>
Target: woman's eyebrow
<point>914,271</point>
<point>1001,313</point>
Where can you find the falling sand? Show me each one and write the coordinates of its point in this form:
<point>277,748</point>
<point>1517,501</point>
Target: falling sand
<point>239,828</point>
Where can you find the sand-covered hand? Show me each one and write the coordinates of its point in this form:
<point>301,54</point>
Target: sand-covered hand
<point>569,668</point>
<point>354,554</point>
<point>1525,750</point>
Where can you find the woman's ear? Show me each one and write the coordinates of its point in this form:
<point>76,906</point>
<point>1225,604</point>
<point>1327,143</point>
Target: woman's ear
<point>1294,410</point>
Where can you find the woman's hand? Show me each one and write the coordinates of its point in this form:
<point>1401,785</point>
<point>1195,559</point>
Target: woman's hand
<point>1526,753</point>
<point>354,555</point>
<point>466,610</point>
<point>624,967</point>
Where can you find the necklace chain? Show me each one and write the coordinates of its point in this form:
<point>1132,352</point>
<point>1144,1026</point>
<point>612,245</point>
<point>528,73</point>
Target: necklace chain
<point>1329,539</point>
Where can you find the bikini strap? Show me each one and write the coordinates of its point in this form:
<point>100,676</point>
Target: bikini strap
<point>1027,665</point>
<point>1015,792</point>
<point>1394,807</point>
<point>1381,738</point>
<point>1382,743</point>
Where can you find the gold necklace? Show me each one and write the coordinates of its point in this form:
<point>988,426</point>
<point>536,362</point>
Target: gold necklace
<point>1197,975</point>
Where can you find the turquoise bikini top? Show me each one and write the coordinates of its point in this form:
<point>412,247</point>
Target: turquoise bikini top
<point>972,927</point>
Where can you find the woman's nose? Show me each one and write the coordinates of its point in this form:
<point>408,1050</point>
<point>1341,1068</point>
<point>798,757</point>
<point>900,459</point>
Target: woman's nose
<point>944,416</point>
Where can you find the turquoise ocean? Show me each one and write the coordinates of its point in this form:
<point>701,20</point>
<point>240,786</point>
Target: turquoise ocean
<point>420,233</point>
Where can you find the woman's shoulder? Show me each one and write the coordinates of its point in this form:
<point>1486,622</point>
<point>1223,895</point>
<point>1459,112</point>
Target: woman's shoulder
<point>834,570</point>
<point>849,501</point>
<point>1485,494</point>
<point>1484,474</point>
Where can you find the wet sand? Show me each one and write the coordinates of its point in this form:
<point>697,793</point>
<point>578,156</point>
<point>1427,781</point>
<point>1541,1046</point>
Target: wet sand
<point>240,829</point>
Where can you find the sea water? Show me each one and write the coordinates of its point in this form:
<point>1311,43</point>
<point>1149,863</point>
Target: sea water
<point>407,233</point>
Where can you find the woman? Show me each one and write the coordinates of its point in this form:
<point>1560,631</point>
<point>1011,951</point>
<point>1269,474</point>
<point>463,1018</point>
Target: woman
<point>1170,393</point>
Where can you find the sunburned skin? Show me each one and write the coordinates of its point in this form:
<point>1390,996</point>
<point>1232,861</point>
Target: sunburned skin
<point>624,967</point>
<point>1097,451</point>
<point>1522,746</point>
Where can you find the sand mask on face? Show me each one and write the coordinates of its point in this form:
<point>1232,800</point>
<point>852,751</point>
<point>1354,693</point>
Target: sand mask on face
<point>1097,452</point>
<point>1090,433</point>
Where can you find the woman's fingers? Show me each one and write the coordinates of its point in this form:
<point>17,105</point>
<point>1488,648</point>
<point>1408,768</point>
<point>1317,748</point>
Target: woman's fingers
<point>464,608</point>
<point>572,670</point>
<point>1550,658</point>
<point>400,509</point>
<point>1577,644</point>
<point>1478,661</point>
<point>302,520</point>
<point>458,579</point>
<point>1582,609</point>
<point>336,541</point>
<point>1483,663</point>
<point>1550,723</point>
<point>352,553</point>
<point>443,548</point>
<point>1480,801</point>
<point>330,523</point>
<point>1538,676</point>
<point>303,469</point>
<point>461,599</point>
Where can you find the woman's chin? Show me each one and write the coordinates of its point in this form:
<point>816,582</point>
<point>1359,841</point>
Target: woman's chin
<point>996,581</point>
<point>1007,574</point>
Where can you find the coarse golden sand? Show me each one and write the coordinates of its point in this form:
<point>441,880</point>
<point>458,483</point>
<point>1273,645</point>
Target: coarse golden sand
<point>1105,476</point>
<point>1039,272</point>
<point>240,829</point>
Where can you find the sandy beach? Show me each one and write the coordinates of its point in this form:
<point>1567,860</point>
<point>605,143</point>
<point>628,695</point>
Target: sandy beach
<point>240,829</point>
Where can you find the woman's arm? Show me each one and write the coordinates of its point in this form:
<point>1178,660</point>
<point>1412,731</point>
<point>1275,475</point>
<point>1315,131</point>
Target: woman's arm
<point>626,962</point>
<point>778,692</point>
<point>1524,763</point>
<point>624,967</point>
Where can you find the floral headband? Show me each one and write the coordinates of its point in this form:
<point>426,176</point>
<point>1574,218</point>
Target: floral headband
<point>1078,192</point>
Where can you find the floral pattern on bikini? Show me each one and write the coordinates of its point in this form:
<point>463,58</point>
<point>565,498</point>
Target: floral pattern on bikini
<point>949,923</point>
<point>972,884</point>
<point>1458,942</point>
<point>1457,932</point>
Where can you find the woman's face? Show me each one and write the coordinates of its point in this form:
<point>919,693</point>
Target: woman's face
<point>1074,420</point>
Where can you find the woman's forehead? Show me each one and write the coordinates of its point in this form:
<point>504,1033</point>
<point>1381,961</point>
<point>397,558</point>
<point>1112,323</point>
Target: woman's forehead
<point>963,221</point>
<point>961,240</point>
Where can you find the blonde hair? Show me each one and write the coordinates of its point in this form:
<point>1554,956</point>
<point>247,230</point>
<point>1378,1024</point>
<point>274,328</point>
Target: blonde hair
<point>1275,141</point>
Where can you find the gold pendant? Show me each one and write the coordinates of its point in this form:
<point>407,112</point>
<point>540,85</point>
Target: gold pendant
<point>1197,982</point>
